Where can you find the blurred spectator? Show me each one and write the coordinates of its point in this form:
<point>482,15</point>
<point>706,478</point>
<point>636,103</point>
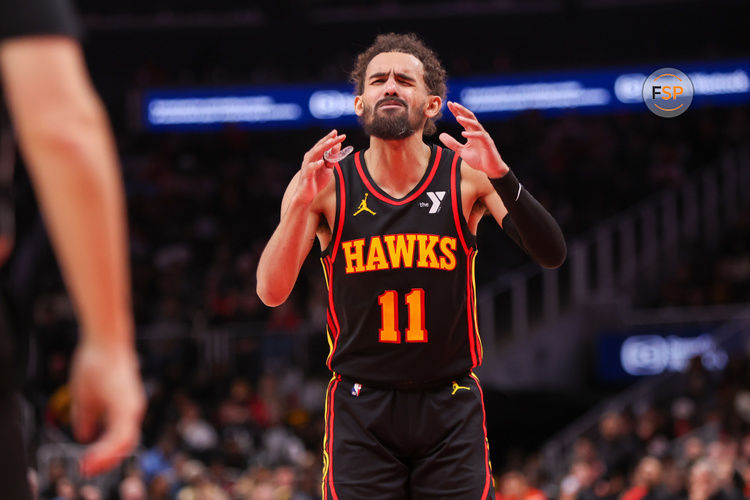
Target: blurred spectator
<point>235,410</point>
<point>692,450</point>
<point>64,489</point>
<point>617,448</point>
<point>646,480</point>
<point>580,481</point>
<point>132,488</point>
<point>683,411</point>
<point>157,460</point>
<point>674,482</point>
<point>514,486</point>
<point>198,486</point>
<point>159,488</point>
<point>55,472</point>
<point>704,482</point>
<point>198,435</point>
<point>91,492</point>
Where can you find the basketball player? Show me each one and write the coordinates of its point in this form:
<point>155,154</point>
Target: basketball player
<point>397,223</point>
<point>67,144</point>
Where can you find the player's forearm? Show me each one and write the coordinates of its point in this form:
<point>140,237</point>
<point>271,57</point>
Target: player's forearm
<point>284,255</point>
<point>75,173</point>
<point>67,143</point>
<point>530,224</point>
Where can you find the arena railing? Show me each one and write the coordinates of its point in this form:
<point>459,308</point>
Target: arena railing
<point>634,247</point>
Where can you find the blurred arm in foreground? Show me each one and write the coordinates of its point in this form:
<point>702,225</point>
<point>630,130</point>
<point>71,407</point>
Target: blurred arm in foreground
<point>67,144</point>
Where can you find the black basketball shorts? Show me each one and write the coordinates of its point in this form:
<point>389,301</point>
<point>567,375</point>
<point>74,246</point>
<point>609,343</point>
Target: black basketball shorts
<point>384,444</point>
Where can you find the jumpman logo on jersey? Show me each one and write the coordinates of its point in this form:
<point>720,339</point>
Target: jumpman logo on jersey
<point>456,387</point>
<point>363,206</point>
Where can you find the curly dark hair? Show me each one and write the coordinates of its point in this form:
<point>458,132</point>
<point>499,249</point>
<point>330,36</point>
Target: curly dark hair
<point>409,43</point>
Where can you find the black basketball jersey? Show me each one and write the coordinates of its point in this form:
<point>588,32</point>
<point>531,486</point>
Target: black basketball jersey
<point>400,276</point>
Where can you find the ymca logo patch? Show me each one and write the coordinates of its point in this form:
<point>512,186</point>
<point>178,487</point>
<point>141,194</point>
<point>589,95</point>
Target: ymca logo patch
<point>436,199</point>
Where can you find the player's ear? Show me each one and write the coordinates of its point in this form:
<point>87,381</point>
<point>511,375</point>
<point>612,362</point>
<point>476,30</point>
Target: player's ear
<point>433,105</point>
<point>359,106</point>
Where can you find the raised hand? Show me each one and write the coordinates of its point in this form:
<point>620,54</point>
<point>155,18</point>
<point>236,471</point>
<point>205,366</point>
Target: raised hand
<point>316,172</point>
<point>479,151</point>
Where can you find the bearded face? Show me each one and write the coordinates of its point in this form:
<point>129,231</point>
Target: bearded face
<point>391,119</point>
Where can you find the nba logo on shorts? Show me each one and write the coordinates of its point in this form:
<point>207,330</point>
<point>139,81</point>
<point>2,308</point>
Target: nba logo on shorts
<point>355,389</point>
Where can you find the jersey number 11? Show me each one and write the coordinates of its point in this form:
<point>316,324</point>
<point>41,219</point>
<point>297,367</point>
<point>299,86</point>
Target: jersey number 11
<point>389,331</point>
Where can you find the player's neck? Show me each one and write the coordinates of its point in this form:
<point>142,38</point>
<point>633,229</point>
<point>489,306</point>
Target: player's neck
<point>397,166</point>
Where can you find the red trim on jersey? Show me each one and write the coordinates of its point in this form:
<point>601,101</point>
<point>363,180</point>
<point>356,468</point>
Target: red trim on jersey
<point>388,199</point>
<point>326,437</point>
<point>480,349</point>
<point>470,305</point>
<point>488,472</point>
<point>331,337</point>
<point>330,440</point>
<point>342,213</point>
<point>470,314</point>
<point>332,311</point>
<point>330,321</point>
<point>454,203</point>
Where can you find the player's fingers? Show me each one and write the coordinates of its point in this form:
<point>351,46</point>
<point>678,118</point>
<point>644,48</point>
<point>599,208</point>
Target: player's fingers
<point>457,108</point>
<point>315,165</point>
<point>450,142</point>
<point>469,123</point>
<point>323,139</point>
<point>474,134</point>
<point>452,108</point>
<point>84,416</point>
<point>330,134</point>
<point>117,442</point>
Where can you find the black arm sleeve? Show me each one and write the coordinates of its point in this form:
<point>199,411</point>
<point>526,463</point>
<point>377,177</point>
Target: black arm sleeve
<point>20,18</point>
<point>529,224</point>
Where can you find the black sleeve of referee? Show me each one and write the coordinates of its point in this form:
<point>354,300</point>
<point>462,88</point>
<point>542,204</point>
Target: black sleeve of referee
<point>19,18</point>
<point>529,224</point>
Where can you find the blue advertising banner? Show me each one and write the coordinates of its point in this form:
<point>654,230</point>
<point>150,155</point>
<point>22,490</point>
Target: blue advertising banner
<point>601,91</point>
<point>629,354</point>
